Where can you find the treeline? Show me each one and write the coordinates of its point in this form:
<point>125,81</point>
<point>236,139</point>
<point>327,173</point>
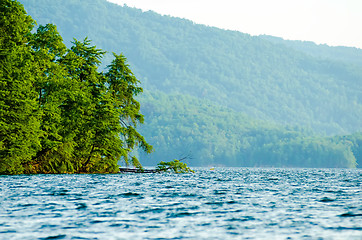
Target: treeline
<point>207,86</point>
<point>322,51</point>
<point>289,83</point>
<point>58,113</point>
<point>210,135</point>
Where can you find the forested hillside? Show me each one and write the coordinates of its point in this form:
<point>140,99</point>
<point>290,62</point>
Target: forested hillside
<point>322,51</point>
<point>206,86</point>
<point>266,80</point>
<point>181,126</point>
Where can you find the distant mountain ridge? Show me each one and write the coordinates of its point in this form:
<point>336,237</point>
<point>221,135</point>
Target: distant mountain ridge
<point>336,53</point>
<point>223,97</point>
<point>266,78</point>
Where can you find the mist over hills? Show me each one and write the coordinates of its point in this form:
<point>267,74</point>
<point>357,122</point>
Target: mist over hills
<point>285,88</point>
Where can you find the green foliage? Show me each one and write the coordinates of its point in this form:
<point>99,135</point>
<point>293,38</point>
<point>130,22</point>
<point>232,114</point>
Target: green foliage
<point>19,115</point>
<point>175,166</point>
<point>122,86</point>
<point>58,113</point>
<point>219,136</point>
<point>354,142</point>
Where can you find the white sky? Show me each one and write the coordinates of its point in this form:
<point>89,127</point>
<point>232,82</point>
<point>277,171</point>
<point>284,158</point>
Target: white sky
<point>332,22</point>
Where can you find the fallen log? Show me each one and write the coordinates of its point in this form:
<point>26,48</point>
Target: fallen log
<point>175,166</point>
<point>137,170</point>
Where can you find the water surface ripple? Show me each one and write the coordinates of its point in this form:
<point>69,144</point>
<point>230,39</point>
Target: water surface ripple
<point>227,203</point>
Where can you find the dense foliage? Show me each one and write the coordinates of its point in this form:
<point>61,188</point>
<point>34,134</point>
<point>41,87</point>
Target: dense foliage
<point>58,113</point>
<point>175,166</point>
<point>19,111</point>
<point>217,136</point>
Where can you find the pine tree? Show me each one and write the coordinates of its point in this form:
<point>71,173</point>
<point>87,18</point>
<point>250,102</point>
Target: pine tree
<point>52,86</point>
<point>19,112</point>
<point>122,90</point>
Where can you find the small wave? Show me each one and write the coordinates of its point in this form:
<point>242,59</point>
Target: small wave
<point>222,180</point>
<point>27,205</point>
<point>97,221</point>
<point>334,191</point>
<point>49,226</point>
<point>344,228</point>
<point>187,208</point>
<point>189,195</point>
<point>81,206</point>
<point>61,192</point>
<point>182,214</point>
<point>8,231</point>
<point>316,190</point>
<point>62,236</point>
<point>169,194</point>
<point>242,219</point>
<point>326,199</point>
<point>117,225</point>
<point>151,210</point>
<point>214,203</point>
<point>350,214</point>
<point>153,226</point>
<point>272,179</point>
<point>220,192</point>
<point>130,194</point>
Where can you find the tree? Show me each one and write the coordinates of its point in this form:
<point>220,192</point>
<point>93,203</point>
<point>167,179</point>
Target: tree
<point>58,113</point>
<point>79,110</point>
<point>52,86</point>
<point>122,88</point>
<point>19,112</point>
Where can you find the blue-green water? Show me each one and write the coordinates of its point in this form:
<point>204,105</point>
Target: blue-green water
<point>227,203</point>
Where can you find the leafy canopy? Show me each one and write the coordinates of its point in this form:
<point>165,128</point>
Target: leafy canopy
<point>58,112</point>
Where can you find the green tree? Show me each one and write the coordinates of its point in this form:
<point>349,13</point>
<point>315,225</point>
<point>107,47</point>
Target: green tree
<point>52,85</point>
<point>19,111</point>
<point>58,113</point>
<point>122,89</point>
<point>80,110</point>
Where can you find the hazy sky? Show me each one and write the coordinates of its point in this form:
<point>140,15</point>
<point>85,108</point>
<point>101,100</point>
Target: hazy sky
<point>334,22</point>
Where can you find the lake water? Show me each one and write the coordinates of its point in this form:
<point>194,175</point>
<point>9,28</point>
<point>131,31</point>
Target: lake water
<point>227,203</point>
